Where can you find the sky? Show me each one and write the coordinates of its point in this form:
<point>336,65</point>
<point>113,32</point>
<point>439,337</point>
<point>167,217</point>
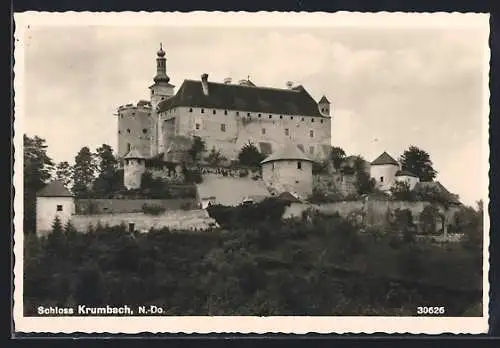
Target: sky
<point>391,87</point>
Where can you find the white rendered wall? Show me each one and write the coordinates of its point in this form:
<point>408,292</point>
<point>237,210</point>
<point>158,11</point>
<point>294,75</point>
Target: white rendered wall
<point>385,171</point>
<point>285,176</point>
<point>132,173</point>
<point>410,180</point>
<point>46,212</point>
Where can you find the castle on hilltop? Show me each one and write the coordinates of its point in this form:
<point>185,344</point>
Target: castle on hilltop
<point>225,115</point>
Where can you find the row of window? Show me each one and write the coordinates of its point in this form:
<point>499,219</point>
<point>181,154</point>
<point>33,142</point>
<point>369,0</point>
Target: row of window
<point>249,114</point>
<point>144,131</point>
<point>263,130</point>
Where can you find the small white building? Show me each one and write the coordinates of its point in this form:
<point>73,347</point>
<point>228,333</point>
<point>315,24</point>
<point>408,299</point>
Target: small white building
<point>383,169</point>
<point>288,170</point>
<point>135,166</point>
<point>53,200</point>
<point>407,177</point>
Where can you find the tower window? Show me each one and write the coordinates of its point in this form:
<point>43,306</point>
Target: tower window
<point>128,147</point>
<point>237,113</point>
<point>144,130</point>
<point>311,134</point>
<point>162,98</point>
<point>299,165</point>
<point>214,112</point>
<point>287,132</point>
<point>263,131</point>
<point>223,127</point>
<point>190,109</point>
<point>59,207</point>
<point>311,150</point>
<point>197,126</point>
<point>260,115</point>
<point>320,121</point>
<point>281,117</point>
<point>312,119</point>
<point>381,179</point>
<point>248,114</point>
<point>291,117</point>
<point>119,132</point>
<point>225,112</point>
<point>270,116</point>
<point>202,111</point>
<point>121,116</point>
<point>302,119</point>
<point>128,130</point>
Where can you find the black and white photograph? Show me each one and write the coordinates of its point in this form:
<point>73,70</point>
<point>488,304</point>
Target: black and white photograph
<point>251,172</point>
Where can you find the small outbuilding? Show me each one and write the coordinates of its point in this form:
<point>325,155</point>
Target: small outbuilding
<point>288,170</point>
<point>54,200</point>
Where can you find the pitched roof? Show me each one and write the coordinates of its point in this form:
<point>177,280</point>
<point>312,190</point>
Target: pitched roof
<point>134,153</point>
<point>288,197</point>
<point>295,101</point>
<point>54,189</point>
<point>452,198</point>
<point>384,158</point>
<point>289,151</point>
<point>323,100</point>
<point>405,173</point>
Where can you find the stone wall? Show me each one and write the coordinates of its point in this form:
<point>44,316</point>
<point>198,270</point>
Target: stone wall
<point>335,184</point>
<point>103,206</point>
<point>175,219</point>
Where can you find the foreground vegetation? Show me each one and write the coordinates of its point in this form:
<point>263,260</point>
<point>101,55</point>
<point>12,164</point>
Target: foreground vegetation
<point>254,264</point>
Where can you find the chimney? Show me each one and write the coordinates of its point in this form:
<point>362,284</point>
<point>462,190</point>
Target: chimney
<point>204,83</point>
<point>227,80</point>
<point>289,84</point>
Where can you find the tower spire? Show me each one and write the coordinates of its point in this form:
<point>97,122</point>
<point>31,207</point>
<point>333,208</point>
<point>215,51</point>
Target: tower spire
<point>161,66</point>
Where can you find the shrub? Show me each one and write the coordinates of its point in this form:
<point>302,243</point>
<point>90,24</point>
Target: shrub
<point>401,191</point>
<point>428,219</point>
<point>153,209</point>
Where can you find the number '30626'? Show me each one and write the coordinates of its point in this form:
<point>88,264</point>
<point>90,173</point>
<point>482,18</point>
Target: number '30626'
<point>430,310</point>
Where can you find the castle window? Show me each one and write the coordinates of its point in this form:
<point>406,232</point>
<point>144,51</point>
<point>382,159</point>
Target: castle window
<point>190,109</point>
<point>202,111</point>
<point>223,127</point>
<point>312,119</point>
<point>270,116</point>
<point>311,134</point>
<point>197,126</point>
<point>121,116</point>
<point>302,119</point>
<point>128,147</point>
<point>59,207</point>
<point>119,132</point>
<point>281,117</point>
<point>133,114</point>
<point>162,98</point>
<point>260,115</point>
<point>287,131</point>
<point>214,112</point>
<point>237,113</point>
<point>263,131</point>
<point>248,114</point>
<point>291,117</point>
<point>144,130</point>
<point>311,150</point>
<point>320,121</point>
<point>299,165</point>
<point>128,130</point>
<point>225,112</point>
<point>381,179</point>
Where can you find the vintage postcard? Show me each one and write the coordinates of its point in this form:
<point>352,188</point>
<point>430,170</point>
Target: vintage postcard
<point>251,172</point>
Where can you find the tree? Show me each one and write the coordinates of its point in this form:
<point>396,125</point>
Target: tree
<point>83,171</point>
<point>214,158</point>
<point>36,172</point>
<point>197,148</point>
<point>428,219</point>
<point>401,191</point>
<point>419,163</point>
<point>64,173</point>
<point>337,155</point>
<point>250,156</point>
<point>106,163</point>
<point>364,184</point>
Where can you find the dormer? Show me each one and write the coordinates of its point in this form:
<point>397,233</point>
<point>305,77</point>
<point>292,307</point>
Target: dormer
<point>324,106</point>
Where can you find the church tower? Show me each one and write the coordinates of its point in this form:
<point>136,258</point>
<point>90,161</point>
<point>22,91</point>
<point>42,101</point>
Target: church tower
<point>160,90</point>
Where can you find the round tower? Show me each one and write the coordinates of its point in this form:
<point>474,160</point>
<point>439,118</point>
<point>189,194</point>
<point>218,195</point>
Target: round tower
<point>134,128</point>
<point>161,90</point>
<point>134,167</point>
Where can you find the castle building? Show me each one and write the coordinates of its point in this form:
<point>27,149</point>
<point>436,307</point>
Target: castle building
<point>407,177</point>
<point>54,200</point>
<point>225,115</point>
<point>288,170</point>
<point>383,170</point>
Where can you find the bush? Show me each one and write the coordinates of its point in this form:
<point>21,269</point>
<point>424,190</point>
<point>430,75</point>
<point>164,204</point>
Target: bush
<point>428,219</point>
<point>153,209</point>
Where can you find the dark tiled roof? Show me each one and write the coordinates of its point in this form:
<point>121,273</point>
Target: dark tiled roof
<point>295,101</point>
<point>288,197</point>
<point>54,189</point>
<point>323,100</point>
<point>289,151</point>
<point>405,173</point>
<point>384,158</point>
